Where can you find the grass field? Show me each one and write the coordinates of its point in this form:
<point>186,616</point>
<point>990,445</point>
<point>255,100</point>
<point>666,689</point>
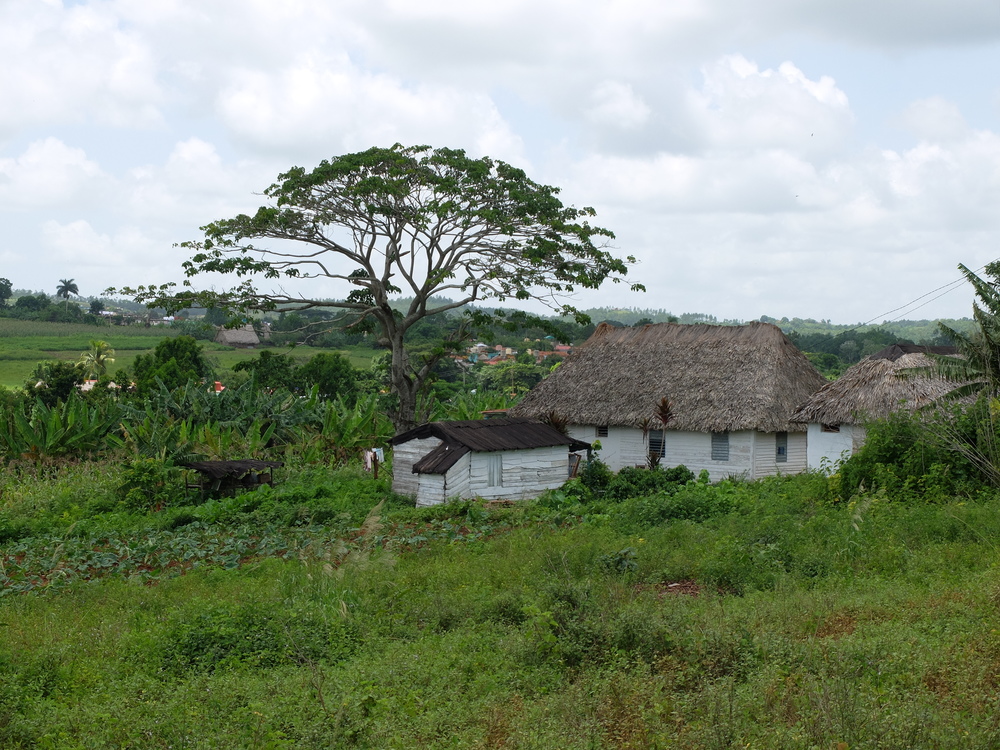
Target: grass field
<point>24,343</point>
<point>778,619</point>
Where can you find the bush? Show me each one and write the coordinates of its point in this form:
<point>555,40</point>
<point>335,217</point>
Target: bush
<point>146,484</point>
<point>596,476</point>
<point>637,482</point>
<point>900,457</point>
<point>250,637</point>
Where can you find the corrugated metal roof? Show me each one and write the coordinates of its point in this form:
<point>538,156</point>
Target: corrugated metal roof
<point>482,435</point>
<point>439,460</point>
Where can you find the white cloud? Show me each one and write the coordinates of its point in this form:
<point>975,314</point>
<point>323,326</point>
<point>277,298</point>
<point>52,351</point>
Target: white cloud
<point>326,105</point>
<point>741,107</point>
<point>616,105</point>
<point>49,174</point>
<point>72,65</point>
<point>934,119</point>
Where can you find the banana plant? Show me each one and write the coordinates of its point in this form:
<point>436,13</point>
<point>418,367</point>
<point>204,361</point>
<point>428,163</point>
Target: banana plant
<point>218,442</point>
<point>68,428</point>
<point>347,430</point>
<point>151,436</point>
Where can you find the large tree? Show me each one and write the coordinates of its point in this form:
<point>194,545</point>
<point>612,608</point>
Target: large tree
<point>414,221</point>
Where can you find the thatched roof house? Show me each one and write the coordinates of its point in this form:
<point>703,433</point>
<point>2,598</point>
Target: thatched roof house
<point>877,386</point>
<point>874,388</point>
<point>502,458</point>
<point>242,338</point>
<point>743,381</point>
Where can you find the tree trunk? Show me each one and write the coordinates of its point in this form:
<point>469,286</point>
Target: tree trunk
<point>403,386</point>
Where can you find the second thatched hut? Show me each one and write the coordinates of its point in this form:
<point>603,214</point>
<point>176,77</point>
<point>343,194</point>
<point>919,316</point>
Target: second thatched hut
<point>874,388</point>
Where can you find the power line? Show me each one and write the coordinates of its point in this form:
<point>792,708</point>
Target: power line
<point>948,288</point>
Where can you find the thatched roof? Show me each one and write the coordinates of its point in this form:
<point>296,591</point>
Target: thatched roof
<point>718,378</point>
<point>245,336</point>
<point>877,386</point>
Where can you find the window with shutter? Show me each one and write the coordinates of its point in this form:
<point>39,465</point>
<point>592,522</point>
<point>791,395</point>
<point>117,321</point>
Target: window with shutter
<point>720,446</point>
<point>494,470</point>
<point>781,447</point>
<point>657,444</point>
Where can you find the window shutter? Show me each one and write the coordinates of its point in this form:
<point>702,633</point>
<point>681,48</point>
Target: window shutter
<point>657,444</point>
<point>494,470</point>
<point>720,446</point>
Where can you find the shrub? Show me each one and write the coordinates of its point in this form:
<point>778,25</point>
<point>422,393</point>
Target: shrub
<point>146,484</point>
<point>596,476</point>
<point>901,457</point>
<point>636,482</point>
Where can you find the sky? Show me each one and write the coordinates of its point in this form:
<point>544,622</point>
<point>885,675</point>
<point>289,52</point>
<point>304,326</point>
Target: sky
<point>831,159</point>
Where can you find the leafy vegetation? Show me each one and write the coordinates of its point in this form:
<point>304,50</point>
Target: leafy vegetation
<point>766,613</point>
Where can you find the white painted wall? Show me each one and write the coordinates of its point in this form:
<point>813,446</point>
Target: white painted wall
<point>525,474</point>
<point>826,449</point>
<point>404,481</point>
<point>766,464</point>
<point>751,454</point>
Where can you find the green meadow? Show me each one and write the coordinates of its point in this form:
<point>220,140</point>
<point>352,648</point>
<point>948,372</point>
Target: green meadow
<point>24,343</point>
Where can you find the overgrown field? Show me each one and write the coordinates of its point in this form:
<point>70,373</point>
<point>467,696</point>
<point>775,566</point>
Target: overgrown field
<point>326,612</point>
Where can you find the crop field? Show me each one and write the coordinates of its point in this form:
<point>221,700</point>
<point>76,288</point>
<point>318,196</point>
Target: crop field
<point>25,343</point>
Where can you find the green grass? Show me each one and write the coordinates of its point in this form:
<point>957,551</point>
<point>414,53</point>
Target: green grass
<point>816,625</point>
<point>25,343</point>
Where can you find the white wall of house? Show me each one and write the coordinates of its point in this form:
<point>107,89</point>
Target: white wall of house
<point>430,489</point>
<point>751,454</point>
<point>826,449</point>
<point>766,463</point>
<point>404,481</point>
<point>515,475</point>
<point>524,474</point>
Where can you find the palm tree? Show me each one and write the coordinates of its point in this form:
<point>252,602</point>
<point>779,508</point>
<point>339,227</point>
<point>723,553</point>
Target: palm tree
<point>67,287</point>
<point>977,371</point>
<point>94,362</point>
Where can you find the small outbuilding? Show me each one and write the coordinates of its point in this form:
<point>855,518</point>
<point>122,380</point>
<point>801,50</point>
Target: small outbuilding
<point>504,458</point>
<point>874,388</point>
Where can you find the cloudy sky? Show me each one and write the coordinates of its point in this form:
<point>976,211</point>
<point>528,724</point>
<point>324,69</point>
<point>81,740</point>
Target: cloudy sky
<point>833,159</point>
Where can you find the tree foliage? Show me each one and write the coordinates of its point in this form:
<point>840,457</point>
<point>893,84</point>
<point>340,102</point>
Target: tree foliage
<point>402,220</point>
<point>66,288</point>
<point>174,362</point>
<point>94,362</point>
<point>977,371</point>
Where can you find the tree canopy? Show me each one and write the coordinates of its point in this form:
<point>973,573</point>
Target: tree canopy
<point>414,221</point>
<point>66,288</point>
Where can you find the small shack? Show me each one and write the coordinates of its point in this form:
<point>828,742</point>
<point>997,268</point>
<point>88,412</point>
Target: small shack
<point>501,458</point>
<point>228,477</point>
